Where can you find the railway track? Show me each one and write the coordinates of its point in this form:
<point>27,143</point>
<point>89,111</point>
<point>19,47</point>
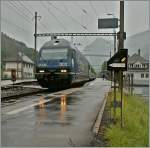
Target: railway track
<point>25,88</point>
<point>36,96</point>
<point>13,94</point>
<point>15,91</point>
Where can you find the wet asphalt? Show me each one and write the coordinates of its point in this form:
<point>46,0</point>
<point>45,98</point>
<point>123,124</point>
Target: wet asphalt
<point>61,120</point>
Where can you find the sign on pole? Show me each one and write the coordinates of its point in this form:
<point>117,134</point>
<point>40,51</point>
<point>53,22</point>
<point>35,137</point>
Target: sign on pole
<point>118,61</point>
<point>107,23</point>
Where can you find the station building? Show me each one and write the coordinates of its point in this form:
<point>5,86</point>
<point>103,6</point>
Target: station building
<point>23,65</point>
<point>138,69</point>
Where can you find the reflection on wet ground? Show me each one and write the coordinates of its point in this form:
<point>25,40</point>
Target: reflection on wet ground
<point>47,112</point>
<point>63,106</point>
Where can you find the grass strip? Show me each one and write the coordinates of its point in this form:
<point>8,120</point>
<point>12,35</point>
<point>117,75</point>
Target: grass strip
<point>135,132</point>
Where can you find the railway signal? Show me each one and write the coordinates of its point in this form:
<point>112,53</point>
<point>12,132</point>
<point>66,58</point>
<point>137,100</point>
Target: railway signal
<point>118,61</point>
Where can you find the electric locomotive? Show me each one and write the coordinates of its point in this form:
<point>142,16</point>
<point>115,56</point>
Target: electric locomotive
<point>61,64</point>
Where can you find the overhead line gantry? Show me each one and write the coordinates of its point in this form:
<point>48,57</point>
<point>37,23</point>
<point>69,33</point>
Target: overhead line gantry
<point>74,34</point>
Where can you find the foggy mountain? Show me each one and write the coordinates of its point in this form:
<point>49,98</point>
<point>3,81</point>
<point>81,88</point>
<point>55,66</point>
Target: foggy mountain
<point>99,46</point>
<point>139,41</point>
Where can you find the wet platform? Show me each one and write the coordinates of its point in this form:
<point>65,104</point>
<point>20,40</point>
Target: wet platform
<point>61,119</point>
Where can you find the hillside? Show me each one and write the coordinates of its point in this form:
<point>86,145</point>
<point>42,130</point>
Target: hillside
<point>10,46</point>
<point>139,41</point>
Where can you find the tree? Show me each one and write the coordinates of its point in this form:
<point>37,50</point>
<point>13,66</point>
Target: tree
<point>104,66</point>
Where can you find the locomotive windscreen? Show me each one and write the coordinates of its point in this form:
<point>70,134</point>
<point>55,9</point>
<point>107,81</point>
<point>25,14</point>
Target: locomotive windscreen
<point>54,54</point>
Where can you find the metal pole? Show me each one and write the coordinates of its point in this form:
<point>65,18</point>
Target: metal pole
<point>114,42</point>
<point>17,61</point>
<point>22,76</point>
<point>35,43</point>
<point>121,46</point>
<point>121,99</point>
<point>121,38</point>
<point>149,14</point>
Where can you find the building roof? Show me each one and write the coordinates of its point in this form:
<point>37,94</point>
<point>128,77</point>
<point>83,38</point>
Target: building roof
<point>25,58</point>
<point>20,58</point>
<point>137,58</point>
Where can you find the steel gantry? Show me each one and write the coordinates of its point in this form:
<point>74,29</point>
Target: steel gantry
<point>74,34</point>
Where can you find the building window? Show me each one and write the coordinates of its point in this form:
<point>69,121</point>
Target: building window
<point>142,75</point>
<point>144,65</point>
<point>147,75</point>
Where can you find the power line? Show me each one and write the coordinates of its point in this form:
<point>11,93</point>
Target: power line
<point>44,26</point>
<point>90,2</point>
<point>18,11</point>
<point>83,10</point>
<point>15,4</point>
<point>22,15</point>
<point>51,13</point>
<point>25,15</point>
<point>17,26</point>
<point>68,14</point>
<point>31,13</point>
<point>28,10</point>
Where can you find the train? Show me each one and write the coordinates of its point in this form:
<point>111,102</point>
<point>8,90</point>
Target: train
<point>60,65</point>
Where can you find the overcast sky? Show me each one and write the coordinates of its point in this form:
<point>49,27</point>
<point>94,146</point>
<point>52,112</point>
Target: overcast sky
<point>68,16</point>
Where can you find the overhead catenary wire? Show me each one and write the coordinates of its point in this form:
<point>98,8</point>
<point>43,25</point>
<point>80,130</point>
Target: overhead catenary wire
<point>93,8</point>
<point>17,26</point>
<point>15,8</point>
<point>42,26</point>
<point>52,14</point>
<point>82,9</point>
<point>28,10</point>
<point>67,13</point>
<point>40,23</point>
<point>22,14</point>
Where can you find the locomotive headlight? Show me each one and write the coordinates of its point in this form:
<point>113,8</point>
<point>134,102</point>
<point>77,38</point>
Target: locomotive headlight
<point>41,70</point>
<point>63,70</point>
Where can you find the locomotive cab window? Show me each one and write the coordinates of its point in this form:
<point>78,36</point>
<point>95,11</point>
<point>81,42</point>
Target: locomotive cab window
<point>54,54</point>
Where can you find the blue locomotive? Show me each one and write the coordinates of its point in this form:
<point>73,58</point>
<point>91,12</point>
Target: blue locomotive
<point>61,64</point>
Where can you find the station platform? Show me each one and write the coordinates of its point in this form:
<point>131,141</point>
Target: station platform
<point>9,82</point>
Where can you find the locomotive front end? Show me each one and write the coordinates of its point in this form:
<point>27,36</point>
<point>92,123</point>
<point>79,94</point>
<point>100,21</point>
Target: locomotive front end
<point>53,69</point>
